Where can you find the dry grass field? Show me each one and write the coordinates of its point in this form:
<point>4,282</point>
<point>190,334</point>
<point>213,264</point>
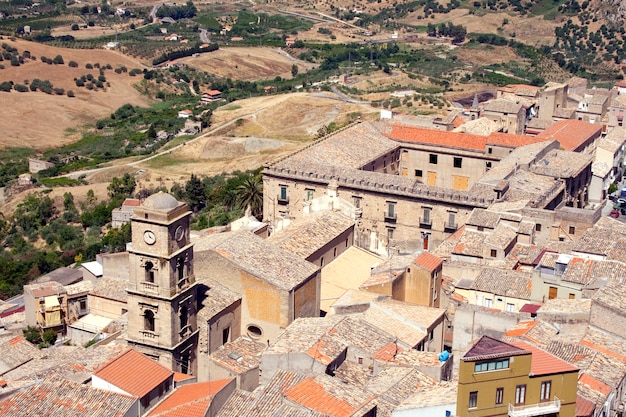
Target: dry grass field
<point>246,64</point>
<point>41,121</point>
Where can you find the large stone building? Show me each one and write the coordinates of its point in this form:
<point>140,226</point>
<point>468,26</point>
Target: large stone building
<point>409,184</point>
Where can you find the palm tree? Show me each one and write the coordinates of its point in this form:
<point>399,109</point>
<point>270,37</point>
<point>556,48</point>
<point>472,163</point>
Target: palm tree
<point>250,194</point>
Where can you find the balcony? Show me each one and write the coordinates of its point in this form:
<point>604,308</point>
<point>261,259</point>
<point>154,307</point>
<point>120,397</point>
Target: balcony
<point>539,409</point>
<point>147,286</point>
<point>282,200</point>
<point>450,227</point>
<point>391,217</point>
<point>426,223</point>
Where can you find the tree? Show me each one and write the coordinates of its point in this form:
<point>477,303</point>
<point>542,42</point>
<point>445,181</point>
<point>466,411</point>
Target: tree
<point>194,193</point>
<point>75,26</point>
<point>32,334</point>
<point>294,70</point>
<point>58,60</point>
<point>49,337</point>
<point>122,187</point>
<point>250,194</point>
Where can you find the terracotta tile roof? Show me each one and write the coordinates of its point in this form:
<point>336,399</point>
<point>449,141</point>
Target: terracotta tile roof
<point>489,348</point>
<point>571,134</point>
<point>191,400</point>
<point>306,236</point>
<point>438,138</point>
<point>262,259</point>
<point>584,407</point>
<point>238,356</point>
<point>16,351</point>
<point>60,397</point>
<point>329,396</point>
<point>544,363</point>
<point>428,261</point>
<point>516,284</point>
<point>134,373</point>
<point>111,288</point>
<point>594,384</point>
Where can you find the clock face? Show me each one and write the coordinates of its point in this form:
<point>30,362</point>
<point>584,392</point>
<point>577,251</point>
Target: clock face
<point>149,237</point>
<point>180,233</point>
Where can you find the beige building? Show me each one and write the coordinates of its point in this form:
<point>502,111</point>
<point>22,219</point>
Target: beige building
<point>408,184</point>
<point>276,286</point>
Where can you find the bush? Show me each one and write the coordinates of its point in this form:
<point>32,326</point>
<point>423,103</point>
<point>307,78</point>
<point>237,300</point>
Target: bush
<point>70,93</point>
<point>20,88</point>
<point>73,64</point>
<point>59,91</point>
<point>58,60</point>
<point>6,86</point>
<point>75,26</point>
<point>88,66</point>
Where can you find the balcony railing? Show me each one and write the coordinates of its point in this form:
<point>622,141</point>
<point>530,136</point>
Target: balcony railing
<point>426,223</point>
<point>450,227</point>
<point>149,286</point>
<point>538,409</point>
<point>391,217</point>
<point>282,199</point>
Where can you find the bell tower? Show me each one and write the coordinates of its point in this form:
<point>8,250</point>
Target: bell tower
<point>162,291</point>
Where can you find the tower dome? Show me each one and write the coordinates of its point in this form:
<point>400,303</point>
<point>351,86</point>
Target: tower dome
<point>160,201</point>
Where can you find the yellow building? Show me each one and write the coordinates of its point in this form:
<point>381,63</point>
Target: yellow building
<point>515,380</point>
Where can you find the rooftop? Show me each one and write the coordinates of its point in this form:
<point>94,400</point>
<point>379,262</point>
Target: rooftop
<point>571,134</point>
<point>503,282</point>
<point>502,106</point>
<point>111,289</point>
<point>307,235</point>
<point>544,363</point>
<point>428,261</point>
<point>239,355</point>
<point>488,347</point>
<point>562,164</point>
<point>613,140</point>
<point>265,260</point>
<point>57,396</point>
<point>190,400</point>
<point>122,373</point>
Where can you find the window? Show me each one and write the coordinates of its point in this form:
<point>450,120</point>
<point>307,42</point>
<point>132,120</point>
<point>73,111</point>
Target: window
<point>426,215</point>
<point>458,162</point>
<point>148,320</point>
<point>473,399</point>
<point>82,305</point>
<point>546,387</point>
<point>432,158</point>
<point>282,197</point>
<point>254,331</point>
<point>309,194</point>
<point>184,317</point>
<point>538,227</point>
<point>356,201</point>
<point>488,165</point>
<point>488,302</point>
<point>499,396</point>
<point>431,335</point>
<point>490,150</point>
<point>226,335</point>
<point>494,253</point>
<point>180,269</point>
<point>491,365</point>
<point>510,307</point>
<point>322,262</point>
<point>334,252</point>
<point>419,173</point>
<point>390,233</point>
<point>572,296</point>
<point>520,394</point>
<point>572,230</point>
<point>149,272</point>
<point>391,210</point>
<point>360,359</point>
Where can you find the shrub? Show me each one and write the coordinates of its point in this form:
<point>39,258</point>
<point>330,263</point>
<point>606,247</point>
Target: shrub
<point>73,64</point>
<point>20,88</point>
<point>6,86</point>
<point>70,93</point>
<point>58,60</point>
<point>88,66</point>
<point>75,26</point>
<point>80,82</point>
<point>59,91</point>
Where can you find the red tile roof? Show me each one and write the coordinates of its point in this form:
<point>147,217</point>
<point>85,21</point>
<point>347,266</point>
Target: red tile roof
<point>191,400</point>
<point>458,139</point>
<point>530,308</point>
<point>134,373</point>
<point>131,202</point>
<point>544,363</point>
<point>428,261</point>
<point>521,328</point>
<point>312,395</point>
<point>584,407</point>
<point>571,134</point>
<point>594,384</point>
<point>388,352</point>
